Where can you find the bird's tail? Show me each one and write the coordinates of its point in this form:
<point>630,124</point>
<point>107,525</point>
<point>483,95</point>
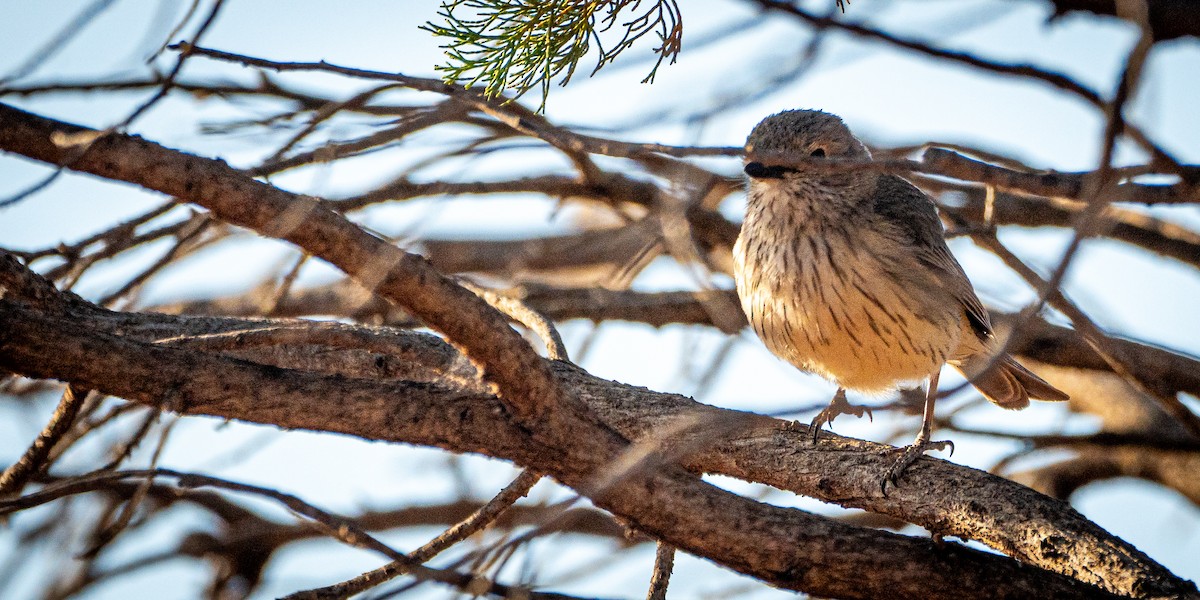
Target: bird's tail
<point>1006,383</point>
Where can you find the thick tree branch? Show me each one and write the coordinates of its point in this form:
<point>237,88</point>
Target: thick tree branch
<point>405,278</point>
<point>426,414</point>
<point>943,497</point>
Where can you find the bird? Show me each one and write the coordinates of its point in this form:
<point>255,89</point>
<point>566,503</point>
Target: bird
<point>845,273</point>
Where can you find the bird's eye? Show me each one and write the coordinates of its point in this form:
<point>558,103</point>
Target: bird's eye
<point>819,152</point>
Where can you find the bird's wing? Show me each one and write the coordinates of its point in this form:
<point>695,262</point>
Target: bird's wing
<point>913,216</point>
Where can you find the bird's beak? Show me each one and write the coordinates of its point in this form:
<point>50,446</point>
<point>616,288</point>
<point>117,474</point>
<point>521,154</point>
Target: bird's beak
<point>757,170</point>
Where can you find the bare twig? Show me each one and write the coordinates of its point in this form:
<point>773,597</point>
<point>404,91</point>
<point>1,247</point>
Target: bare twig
<point>480,519</point>
<point>937,161</point>
<point>33,460</point>
<point>664,562</point>
<point>169,81</point>
<point>1096,338</point>
<point>338,527</point>
<point>523,314</point>
<point>185,237</point>
<point>1029,71</point>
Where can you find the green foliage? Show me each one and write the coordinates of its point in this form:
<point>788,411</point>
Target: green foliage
<point>516,45</point>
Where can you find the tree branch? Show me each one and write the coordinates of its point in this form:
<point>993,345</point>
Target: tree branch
<point>943,497</point>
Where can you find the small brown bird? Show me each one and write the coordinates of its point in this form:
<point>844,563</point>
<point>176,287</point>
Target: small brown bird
<point>847,275</point>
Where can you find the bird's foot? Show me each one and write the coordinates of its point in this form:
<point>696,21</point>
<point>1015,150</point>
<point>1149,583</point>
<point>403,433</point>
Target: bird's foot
<point>837,406</point>
<point>908,455</point>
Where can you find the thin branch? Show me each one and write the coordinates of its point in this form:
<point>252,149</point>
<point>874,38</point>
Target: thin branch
<point>186,236</point>
<point>477,521</point>
<point>936,161</point>
<point>1126,225</point>
<point>324,114</point>
<point>1026,71</point>
<point>120,231</point>
<point>511,114</point>
<point>169,81</point>
<point>1096,338</point>
<point>340,528</point>
<point>520,312</point>
<point>34,459</point>
<point>664,562</point>
<point>126,448</point>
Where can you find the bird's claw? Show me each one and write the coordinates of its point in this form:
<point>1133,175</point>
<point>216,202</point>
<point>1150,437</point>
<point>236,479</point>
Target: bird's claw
<point>837,406</point>
<point>908,455</point>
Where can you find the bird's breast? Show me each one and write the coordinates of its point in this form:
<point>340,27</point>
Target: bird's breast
<point>826,297</point>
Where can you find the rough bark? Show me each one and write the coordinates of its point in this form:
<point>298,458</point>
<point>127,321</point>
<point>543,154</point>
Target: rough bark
<point>117,353</point>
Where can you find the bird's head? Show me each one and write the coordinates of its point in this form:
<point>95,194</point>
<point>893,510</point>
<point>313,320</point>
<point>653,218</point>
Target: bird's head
<point>801,134</point>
